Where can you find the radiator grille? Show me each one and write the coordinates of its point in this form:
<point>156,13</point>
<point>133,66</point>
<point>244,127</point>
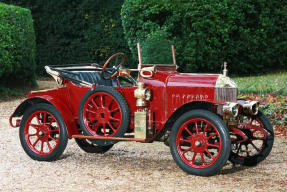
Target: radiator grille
<point>225,94</point>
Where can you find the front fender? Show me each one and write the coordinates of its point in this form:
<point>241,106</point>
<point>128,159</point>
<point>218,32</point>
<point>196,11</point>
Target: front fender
<point>64,110</point>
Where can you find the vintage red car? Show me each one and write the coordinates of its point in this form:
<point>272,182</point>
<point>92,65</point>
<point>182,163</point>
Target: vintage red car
<point>198,115</point>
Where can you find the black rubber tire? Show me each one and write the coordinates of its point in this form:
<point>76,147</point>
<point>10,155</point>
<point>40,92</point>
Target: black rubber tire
<point>225,142</point>
<point>63,140</point>
<point>88,147</point>
<point>124,108</point>
<point>268,144</point>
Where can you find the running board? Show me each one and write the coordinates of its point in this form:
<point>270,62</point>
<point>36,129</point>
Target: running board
<point>109,138</point>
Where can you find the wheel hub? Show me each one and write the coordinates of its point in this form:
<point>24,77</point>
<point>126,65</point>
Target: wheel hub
<point>102,116</point>
<point>199,143</point>
<point>43,132</point>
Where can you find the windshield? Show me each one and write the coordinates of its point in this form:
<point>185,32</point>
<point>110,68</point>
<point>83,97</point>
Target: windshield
<point>155,54</point>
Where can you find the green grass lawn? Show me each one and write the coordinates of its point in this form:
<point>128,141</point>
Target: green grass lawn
<point>265,84</point>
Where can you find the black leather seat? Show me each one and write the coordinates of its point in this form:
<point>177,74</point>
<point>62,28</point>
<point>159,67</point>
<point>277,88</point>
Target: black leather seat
<point>95,77</point>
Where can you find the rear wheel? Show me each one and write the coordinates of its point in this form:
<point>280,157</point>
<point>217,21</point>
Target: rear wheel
<point>200,143</point>
<point>90,147</point>
<point>43,133</point>
<point>260,138</point>
<point>104,112</point>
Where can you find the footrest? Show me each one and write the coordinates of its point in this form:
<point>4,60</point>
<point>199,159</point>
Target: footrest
<point>109,138</point>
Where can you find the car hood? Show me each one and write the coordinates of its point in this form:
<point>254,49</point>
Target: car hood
<point>193,80</point>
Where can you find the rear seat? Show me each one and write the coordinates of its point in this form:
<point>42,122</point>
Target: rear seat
<point>95,77</point>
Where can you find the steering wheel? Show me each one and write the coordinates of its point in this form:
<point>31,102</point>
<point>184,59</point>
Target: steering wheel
<point>116,67</point>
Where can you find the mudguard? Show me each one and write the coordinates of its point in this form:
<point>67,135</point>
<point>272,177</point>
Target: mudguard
<point>64,110</point>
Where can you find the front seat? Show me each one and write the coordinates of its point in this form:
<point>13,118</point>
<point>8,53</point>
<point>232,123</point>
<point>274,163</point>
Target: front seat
<point>95,77</point>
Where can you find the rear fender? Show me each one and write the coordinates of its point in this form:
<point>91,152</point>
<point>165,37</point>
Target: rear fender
<point>65,112</point>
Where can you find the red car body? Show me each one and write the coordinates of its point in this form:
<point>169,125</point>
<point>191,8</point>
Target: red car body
<point>171,90</point>
<point>196,110</point>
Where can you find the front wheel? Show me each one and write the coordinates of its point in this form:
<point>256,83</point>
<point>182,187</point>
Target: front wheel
<point>200,143</point>
<point>259,144</point>
<point>43,132</point>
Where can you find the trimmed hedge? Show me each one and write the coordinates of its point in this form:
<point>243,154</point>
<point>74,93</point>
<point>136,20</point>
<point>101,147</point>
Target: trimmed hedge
<point>17,46</point>
<point>78,31</point>
<point>251,35</point>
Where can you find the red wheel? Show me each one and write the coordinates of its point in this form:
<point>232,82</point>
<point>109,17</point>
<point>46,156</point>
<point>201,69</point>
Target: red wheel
<point>259,142</point>
<point>200,143</point>
<point>104,112</point>
<point>43,133</point>
<point>103,115</point>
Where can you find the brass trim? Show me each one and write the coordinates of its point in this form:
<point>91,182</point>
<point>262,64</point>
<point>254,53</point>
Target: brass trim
<point>140,122</point>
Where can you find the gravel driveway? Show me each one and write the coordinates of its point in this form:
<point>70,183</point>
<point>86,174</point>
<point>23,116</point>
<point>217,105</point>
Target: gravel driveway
<point>128,166</point>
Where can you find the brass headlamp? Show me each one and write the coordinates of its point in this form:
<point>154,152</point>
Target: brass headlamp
<point>231,109</point>
<point>142,94</point>
<point>251,107</point>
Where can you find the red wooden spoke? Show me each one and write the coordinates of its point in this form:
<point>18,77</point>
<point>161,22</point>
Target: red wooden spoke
<point>193,157</point>
<point>204,130</point>
<point>55,130</point>
<point>49,146</point>
<point>111,126</point>
<point>114,119</point>
<point>255,147</point>
<point>188,149</point>
<point>34,126</point>
<point>239,148</point>
<point>109,102</point>
<point>42,147</point>
<point>115,110</point>
<point>212,145</point>
<point>101,100</point>
<point>94,103</point>
<point>186,128</point>
<point>53,139</point>
<point>202,159</point>
<point>211,136</point>
<point>185,140</point>
<point>257,138</point>
<point>209,154</point>
<point>38,120</point>
<point>44,117</point>
<point>96,126</point>
<point>31,135</point>
<point>246,147</point>
<point>90,111</point>
<point>196,127</point>
<point>34,144</point>
<point>253,131</point>
<point>104,128</point>
<point>52,121</point>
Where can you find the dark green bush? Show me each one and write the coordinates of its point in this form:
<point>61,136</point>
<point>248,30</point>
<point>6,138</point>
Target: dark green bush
<point>17,46</point>
<point>250,35</point>
<point>76,31</point>
<point>156,48</point>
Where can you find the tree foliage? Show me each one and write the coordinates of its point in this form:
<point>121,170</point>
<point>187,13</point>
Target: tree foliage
<point>17,46</point>
<point>78,31</point>
<point>250,35</point>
